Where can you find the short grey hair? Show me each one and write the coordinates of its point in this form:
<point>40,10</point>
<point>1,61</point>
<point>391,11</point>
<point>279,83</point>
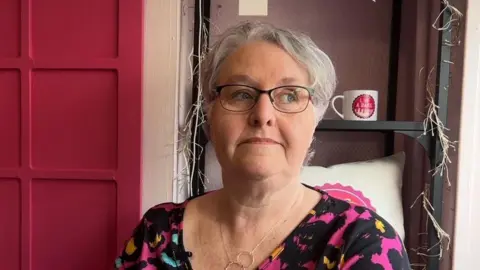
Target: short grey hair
<point>298,45</point>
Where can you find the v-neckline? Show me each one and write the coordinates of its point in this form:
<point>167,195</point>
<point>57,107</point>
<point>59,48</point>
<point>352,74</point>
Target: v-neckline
<point>318,208</point>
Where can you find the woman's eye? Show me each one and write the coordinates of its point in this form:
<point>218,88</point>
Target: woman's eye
<point>241,95</point>
<point>288,97</point>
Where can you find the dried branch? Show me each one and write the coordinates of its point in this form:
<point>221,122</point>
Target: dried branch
<point>455,16</point>
<point>432,123</point>
<point>188,148</point>
<point>443,237</point>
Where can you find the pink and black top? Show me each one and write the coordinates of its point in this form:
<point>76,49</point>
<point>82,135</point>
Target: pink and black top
<point>334,235</point>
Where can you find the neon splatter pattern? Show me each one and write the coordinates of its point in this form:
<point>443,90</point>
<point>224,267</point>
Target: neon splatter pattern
<point>334,235</point>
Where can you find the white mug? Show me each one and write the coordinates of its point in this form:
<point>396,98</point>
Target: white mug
<point>359,105</point>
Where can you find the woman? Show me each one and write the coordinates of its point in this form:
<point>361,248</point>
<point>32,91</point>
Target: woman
<point>265,90</point>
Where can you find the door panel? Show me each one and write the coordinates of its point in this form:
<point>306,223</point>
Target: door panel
<point>70,131</point>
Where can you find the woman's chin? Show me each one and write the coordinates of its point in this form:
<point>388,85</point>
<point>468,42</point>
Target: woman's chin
<point>259,166</point>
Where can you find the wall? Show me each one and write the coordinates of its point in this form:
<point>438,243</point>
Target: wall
<point>160,100</point>
<point>166,100</point>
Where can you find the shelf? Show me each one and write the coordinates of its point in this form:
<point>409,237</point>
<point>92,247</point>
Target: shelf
<point>346,125</point>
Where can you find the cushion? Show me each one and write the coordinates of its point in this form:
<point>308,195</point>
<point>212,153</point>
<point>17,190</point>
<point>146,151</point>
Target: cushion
<point>376,183</point>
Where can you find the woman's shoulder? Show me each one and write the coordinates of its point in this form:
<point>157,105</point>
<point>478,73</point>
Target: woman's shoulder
<point>160,223</point>
<point>158,228</point>
<point>165,213</point>
<point>348,213</point>
<point>365,238</point>
<point>340,207</point>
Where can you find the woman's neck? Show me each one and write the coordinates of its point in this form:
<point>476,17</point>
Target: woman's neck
<point>257,203</point>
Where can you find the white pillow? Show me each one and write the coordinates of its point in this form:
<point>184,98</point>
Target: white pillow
<point>376,183</point>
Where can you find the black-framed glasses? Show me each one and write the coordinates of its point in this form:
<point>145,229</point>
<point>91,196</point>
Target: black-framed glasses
<point>286,98</point>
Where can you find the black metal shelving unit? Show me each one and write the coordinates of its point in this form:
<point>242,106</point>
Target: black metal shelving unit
<point>415,130</point>
<point>412,129</point>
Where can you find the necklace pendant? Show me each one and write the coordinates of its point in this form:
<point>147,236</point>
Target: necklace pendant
<point>245,259</point>
<point>234,266</point>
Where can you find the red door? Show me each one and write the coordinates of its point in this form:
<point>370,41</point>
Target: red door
<point>70,131</point>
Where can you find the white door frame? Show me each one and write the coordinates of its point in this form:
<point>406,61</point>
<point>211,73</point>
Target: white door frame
<point>467,220</point>
<point>160,100</point>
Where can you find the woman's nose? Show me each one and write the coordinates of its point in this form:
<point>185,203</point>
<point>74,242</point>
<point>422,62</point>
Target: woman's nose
<point>263,113</point>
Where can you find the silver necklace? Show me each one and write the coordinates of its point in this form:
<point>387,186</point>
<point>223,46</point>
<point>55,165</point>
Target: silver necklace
<point>240,262</point>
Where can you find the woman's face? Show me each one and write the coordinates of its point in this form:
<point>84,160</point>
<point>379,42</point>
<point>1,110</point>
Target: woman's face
<point>261,142</point>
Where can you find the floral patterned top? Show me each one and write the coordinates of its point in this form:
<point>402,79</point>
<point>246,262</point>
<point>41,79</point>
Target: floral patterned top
<point>334,235</point>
